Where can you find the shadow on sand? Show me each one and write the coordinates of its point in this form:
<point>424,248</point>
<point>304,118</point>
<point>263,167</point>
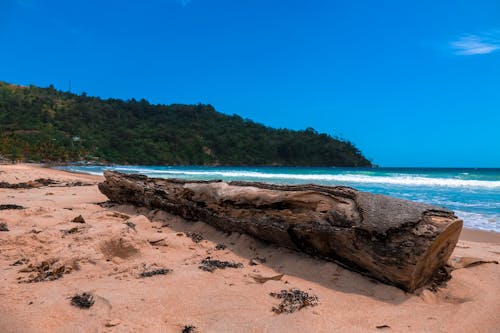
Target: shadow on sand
<point>281,260</point>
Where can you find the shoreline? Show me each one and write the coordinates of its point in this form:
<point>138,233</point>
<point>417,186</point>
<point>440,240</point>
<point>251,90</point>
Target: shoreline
<point>468,234</point>
<point>478,235</point>
<point>111,254</point>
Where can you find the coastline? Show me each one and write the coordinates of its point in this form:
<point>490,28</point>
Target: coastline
<point>467,234</point>
<point>471,194</point>
<point>478,235</point>
<point>105,256</point>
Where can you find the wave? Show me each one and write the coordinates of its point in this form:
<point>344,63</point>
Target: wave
<point>94,173</point>
<point>475,201</point>
<point>344,178</point>
<point>480,221</point>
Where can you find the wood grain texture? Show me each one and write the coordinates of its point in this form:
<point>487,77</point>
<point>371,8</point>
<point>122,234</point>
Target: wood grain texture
<point>396,241</point>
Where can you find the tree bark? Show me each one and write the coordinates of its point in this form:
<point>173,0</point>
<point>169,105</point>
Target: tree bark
<point>396,241</point>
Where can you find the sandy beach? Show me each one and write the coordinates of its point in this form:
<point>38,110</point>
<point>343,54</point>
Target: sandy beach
<point>112,252</point>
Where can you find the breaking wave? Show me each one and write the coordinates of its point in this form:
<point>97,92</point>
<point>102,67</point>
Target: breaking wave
<point>405,180</point>
<point>474,195</point>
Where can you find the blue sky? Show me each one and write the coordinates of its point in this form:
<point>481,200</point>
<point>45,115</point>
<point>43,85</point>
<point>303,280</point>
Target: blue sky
<point>411,83</point>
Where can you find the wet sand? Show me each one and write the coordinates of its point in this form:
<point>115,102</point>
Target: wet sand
<point>106,255</point>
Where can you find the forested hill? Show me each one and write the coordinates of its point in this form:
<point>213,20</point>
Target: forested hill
<point>44,124</point>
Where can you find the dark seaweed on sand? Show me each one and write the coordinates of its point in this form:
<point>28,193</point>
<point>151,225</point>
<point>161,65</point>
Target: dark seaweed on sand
<point>46,181</point>
<point>292,300</point>
<point>30,184</point>
<point>10,206</point>
<point>439,280</point>
<point>73,230</point>
<point>220,246</point>
<point>82,301</point>
<point>47,270</point>
<point>195,236</point>
<point>153,272</point>
<point>210,265</point>
<point>42,182</point>
<point>20,262</point>
<point>188,329</point>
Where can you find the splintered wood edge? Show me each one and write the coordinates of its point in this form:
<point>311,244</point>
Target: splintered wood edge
<point>438,253</point>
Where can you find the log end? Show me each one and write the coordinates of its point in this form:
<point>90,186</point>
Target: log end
<point>438,252</point>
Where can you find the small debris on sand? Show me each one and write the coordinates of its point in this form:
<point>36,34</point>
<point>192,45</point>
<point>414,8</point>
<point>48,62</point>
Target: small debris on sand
<point>158,242</point>
<point>465,262</point>
<point>20,262</point>
<point>292,300</point>
<point>47,270</point>
<point>257,261</point>
<point>3,227</point>
<point>107,204</point>
<point>220,246</point>
<point>131,225</point>
<point>153,272</point>
<point>112,322</point>
<point>18,186</point>
<point>442,276</point>
<point>78,219</point>
<point>32,184</point>
<point>46,181</point>
<point>188,329</point>
<point>82,301</point>
<point>73,230</point>
<point>78,183</point>
<point>210,265</point>
<point>9,206</point>
<point>195,236</point>
<point>120,215</point>
<point>380,327</point>
<point>263,279</point>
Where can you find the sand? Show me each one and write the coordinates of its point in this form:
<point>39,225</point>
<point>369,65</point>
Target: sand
<point>106,255</point>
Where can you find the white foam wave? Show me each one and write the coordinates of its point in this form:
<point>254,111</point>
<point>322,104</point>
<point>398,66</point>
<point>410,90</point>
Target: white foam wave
<point>475,204</point>
<point>346,178</point>
<point>95,173</point>
<point>397,184</point>
<point>479,221</point>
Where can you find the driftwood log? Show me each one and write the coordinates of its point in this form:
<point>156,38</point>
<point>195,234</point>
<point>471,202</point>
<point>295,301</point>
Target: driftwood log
<point>399,242</point>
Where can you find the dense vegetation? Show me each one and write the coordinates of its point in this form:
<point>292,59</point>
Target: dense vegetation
<point>44,124</point>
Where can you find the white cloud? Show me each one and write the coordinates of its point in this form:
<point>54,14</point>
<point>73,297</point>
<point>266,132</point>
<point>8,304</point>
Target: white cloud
<point>475,44</point>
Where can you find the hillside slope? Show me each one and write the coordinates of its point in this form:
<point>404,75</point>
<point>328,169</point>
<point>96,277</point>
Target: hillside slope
<point>44,124</point>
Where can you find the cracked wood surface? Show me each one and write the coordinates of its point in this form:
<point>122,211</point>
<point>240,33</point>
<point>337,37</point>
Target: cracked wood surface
<point>396,241</point>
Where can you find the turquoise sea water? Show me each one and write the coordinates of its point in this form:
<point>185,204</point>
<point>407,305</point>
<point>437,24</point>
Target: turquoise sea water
<point>474,194</point>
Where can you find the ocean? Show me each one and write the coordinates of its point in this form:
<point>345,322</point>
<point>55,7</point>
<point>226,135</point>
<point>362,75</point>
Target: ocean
<point>473,194</point>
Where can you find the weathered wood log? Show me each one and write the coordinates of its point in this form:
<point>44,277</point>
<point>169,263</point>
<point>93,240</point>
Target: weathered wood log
<point>399,242</point>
